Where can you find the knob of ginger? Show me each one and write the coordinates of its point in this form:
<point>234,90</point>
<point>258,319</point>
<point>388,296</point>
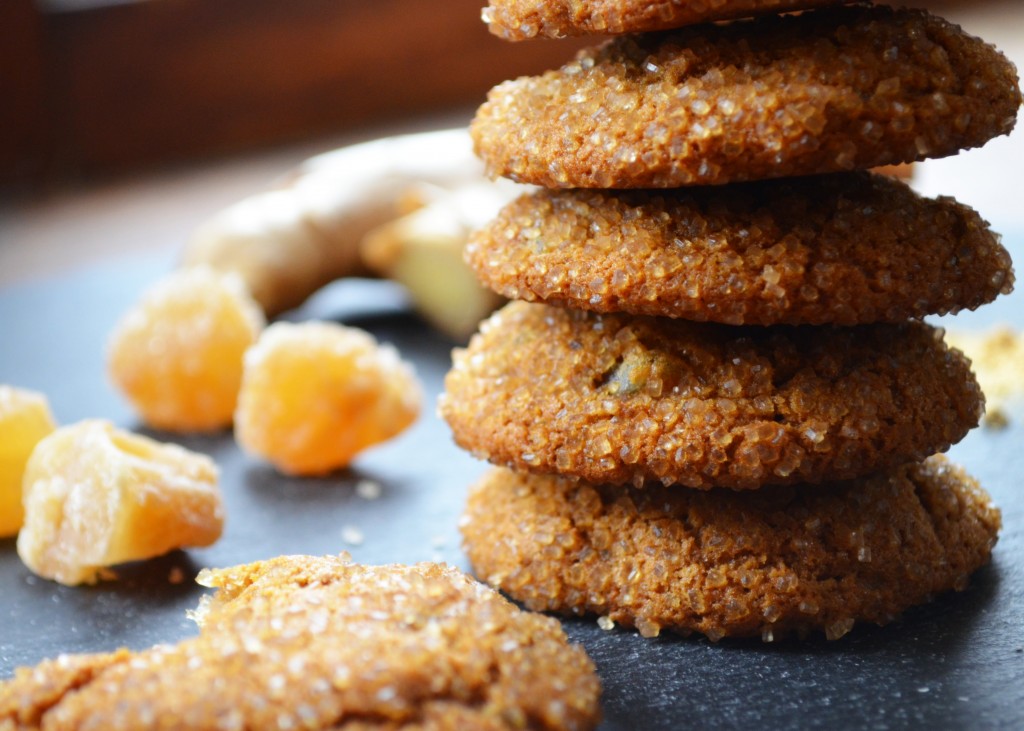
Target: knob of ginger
<point>289,241</point>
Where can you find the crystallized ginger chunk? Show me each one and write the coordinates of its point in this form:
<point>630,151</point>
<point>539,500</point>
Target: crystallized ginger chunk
<point>96,496</point>
<point>177,355</point>
<point>316,394</point>
<point>24,420</point>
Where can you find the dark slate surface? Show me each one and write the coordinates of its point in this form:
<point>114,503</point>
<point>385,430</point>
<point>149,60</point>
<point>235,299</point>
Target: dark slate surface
<point>957,663</point>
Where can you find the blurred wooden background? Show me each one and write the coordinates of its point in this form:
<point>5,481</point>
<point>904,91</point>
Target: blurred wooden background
<point>93,87</point>
<point>100,86</point>
<point>130,122</point>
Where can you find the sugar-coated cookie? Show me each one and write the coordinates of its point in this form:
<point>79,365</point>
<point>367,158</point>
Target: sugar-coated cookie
<point>779,561</point>
<point>321,643</point>
<point>778,96</point>
<point>846,249</point>
<point>520,20</point>
<point>630,399</point>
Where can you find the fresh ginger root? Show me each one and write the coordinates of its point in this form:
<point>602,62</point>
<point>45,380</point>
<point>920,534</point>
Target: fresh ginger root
<point>288,242</point>
<point>423,252</point>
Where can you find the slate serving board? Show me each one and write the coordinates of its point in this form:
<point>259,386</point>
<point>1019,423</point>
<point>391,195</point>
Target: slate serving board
<point>955,664</point>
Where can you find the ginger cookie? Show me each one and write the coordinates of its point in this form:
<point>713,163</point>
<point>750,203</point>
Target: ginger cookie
<point>828,90</point>
<point>321,643</point>
<point>520,20</point>
<point>844,249</point>
<point>779,561</point>
<point>629,399</point>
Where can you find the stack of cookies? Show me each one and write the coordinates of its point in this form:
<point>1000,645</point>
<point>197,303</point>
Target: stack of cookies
<point>715,404</point>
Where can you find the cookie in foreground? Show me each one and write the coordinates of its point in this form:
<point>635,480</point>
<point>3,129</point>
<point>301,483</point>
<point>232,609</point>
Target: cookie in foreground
<point>779,96</point>
<point>520,20</point>
<point>782,561</point>
<point>322,643</point>
<point>844,249</point>
<point>628,399</point>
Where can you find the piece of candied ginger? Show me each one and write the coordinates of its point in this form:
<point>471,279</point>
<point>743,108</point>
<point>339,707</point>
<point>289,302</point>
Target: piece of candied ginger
<point>316,394</point>
<point>96,496</point>
<point>24,419</point>
<point>177,354</point>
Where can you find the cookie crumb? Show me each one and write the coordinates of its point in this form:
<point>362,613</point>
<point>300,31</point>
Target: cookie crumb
<point>175,576</point>
<point>606,623</point>
<point>995,418</point>
<point>352,535</point>
<point>368,489</point>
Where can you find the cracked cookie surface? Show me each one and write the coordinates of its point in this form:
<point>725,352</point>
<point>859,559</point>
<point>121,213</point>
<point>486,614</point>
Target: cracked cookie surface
<point>628,399</point>
<point>828,90</point>
<point>842,249</point>
<point>322,643</point>
<point>780,561</point>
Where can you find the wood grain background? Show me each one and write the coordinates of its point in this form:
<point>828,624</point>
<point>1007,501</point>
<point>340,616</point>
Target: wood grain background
<point>107,86</point>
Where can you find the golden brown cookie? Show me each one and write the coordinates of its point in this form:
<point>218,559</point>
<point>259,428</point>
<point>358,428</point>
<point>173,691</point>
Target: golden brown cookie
<point>321,643</point>
<point>770,563</point>
<point>847,248</point>
<point>520,20</point>
<point>779,96</point>
<point>620,398</point>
